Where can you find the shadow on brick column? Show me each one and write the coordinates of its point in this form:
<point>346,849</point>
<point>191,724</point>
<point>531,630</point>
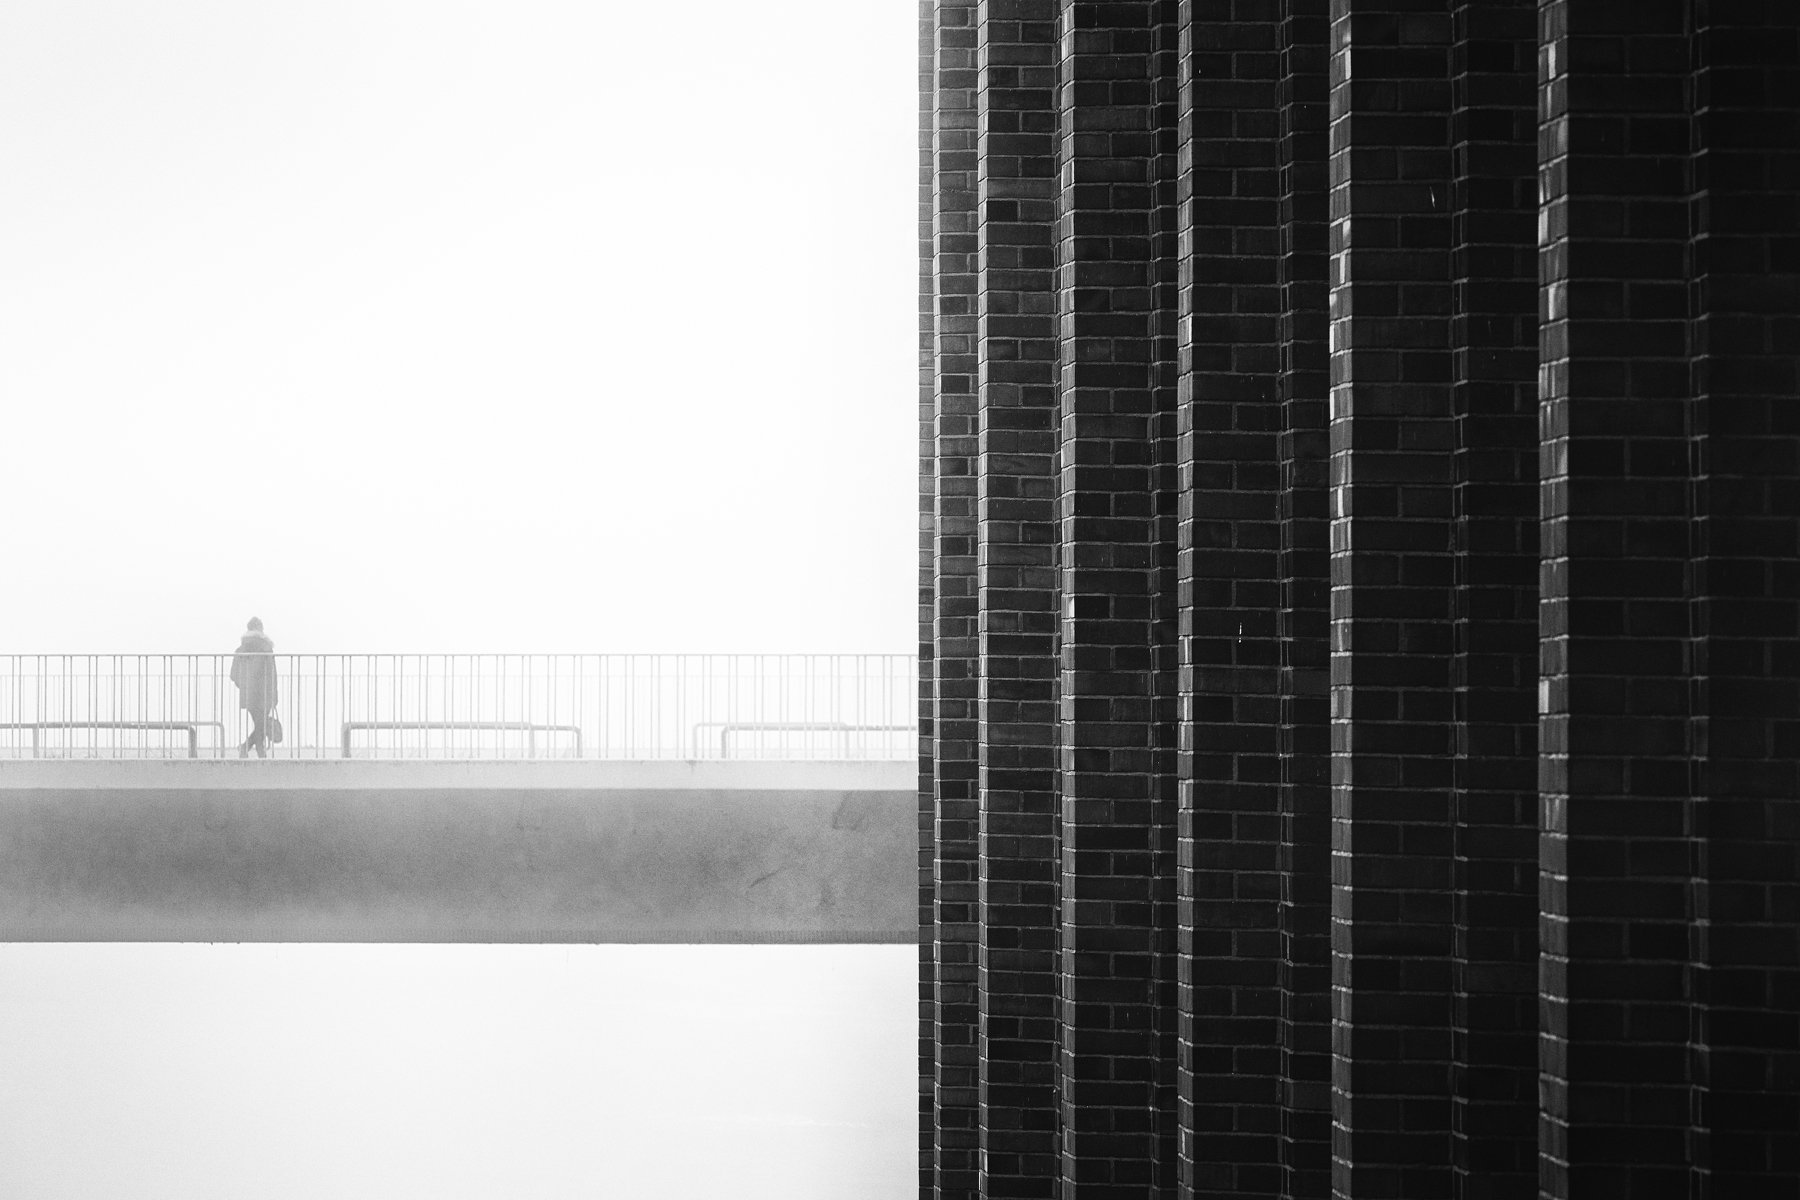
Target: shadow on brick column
<point>1391,570</point>
<point>1494,391</point>
<point>1617,887</point>
<point>1744,590</point>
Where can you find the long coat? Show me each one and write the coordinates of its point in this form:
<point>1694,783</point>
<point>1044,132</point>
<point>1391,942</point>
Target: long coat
<point>253,670</point>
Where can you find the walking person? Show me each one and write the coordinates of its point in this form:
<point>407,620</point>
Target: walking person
<point>253,670</point>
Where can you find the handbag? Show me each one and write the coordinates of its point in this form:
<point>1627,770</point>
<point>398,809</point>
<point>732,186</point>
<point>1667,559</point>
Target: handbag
<point>274,729</point>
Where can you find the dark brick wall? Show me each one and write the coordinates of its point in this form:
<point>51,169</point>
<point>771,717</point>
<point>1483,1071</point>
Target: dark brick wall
<point>1360,598</point>
<point>955,676</point>
<point>1744,593</point>
<point>1168,28</point>
<point>927,605</point>
<point>1391,567</point>
<point>1108,1069</point>
<point>1493,393</point>
<point>1303,619</point>
<point>1229,544</point>
<point>1619,834</point>
<point>1016,588</point>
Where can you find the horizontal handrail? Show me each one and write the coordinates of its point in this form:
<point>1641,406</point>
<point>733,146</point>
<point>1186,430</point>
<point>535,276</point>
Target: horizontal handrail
<point>492,726</point>
<point>192,728</point>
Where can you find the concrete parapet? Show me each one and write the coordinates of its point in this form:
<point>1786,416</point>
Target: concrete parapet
<point>457,852</point>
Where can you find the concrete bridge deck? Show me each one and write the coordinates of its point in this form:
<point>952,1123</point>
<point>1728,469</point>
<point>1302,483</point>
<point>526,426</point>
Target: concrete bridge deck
<point>478,851</point>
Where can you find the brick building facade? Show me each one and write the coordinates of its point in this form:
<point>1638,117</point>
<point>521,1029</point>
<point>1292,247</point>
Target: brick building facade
<point>1360,598</point>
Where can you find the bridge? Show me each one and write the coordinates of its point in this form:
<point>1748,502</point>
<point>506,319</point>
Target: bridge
<point>461,798</point>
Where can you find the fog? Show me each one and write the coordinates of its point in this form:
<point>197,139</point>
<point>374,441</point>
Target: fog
<point>457,1072</point>
<point>417,325</point>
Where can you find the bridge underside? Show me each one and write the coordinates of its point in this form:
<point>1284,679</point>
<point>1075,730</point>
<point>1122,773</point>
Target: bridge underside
<point>457,852</point>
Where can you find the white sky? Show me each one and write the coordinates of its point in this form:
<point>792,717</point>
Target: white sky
<point>420,324</point>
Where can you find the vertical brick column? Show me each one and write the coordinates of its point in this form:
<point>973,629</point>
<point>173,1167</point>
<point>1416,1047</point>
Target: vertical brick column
<point>1106,514</point>
<point>1617,823</point>
<point>1493,204</point>
<point>1230,544</point>
<point>927,608</point>
<point>954,665</point>
<point>1016,589</point>
<point>1303,621</point>
<point>1169,20</point>
<point>1182,480</point>
<point>1391,462</point>
<point>1746,586</point>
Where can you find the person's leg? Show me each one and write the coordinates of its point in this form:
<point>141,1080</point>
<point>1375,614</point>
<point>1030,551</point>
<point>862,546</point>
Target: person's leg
<point>259,733</point>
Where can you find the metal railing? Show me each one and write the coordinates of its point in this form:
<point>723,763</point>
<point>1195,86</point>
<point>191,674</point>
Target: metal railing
<point>452,706</point>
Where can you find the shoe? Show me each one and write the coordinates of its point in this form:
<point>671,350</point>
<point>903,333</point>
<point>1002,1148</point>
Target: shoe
<point>243,752</point>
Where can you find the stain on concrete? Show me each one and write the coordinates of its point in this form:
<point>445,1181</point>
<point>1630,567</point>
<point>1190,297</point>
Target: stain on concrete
<point>852,811</point>
<point>762,879</point>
